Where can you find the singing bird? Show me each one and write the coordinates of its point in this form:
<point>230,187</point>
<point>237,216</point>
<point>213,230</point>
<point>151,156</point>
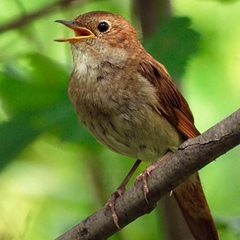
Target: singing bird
<point>129,102</point>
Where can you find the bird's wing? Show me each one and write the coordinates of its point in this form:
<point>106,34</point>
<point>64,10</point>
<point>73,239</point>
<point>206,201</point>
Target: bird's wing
<point>173,106</point>
<point>171,103</point>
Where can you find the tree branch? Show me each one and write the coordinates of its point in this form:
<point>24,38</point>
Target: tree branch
<point>30,17</point>
<point>192,155</point>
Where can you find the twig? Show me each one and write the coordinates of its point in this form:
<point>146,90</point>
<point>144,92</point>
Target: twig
<point>28,18</point>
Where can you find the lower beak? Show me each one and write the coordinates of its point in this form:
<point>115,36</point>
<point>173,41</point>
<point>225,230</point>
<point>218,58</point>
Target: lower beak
<point>80,32</point>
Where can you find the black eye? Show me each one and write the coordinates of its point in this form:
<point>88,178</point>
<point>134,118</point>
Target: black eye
<point>103,26</point>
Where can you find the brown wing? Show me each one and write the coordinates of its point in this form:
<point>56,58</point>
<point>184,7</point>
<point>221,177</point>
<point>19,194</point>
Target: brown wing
<point>171,102</point>
<point>173,106</point>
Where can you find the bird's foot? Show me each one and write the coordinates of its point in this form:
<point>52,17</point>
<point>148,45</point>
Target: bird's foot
<point>119,192</point>
<point>144,175</point>
<point>111,203</point>
<point>147,172</point>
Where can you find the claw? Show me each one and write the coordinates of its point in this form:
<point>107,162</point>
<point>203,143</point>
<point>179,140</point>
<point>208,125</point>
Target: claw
<point>143,176</point>
<point>119,192</point>
<point>111,204</point>
<point>147,172</point>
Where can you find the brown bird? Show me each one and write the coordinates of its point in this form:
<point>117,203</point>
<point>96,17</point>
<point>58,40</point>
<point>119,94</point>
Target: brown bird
<point>128,101</point>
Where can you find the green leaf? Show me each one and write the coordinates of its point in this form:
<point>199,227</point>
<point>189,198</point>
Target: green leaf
<point>15,136</point>
<point>39,87</point>
<point>37,102</point>
<point>174,44</point>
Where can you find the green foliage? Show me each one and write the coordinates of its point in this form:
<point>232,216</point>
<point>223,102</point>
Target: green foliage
<point>53,173</point>
<point>174,44</point>
<point>227,1</point>
<point>36,102</point>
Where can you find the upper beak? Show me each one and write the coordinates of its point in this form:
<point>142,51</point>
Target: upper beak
<point>80,32</point>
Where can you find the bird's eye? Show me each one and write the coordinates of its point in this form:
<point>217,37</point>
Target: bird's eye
<point>103,26</point>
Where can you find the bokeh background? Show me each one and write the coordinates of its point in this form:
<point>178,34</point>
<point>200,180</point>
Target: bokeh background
<point>53,173</point>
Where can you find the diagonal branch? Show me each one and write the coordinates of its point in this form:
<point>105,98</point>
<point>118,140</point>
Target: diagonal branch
<point>191,156</point>
<point>28,18</point>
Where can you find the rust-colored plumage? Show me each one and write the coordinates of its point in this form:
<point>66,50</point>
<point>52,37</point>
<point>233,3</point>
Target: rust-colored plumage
<point>128,101</point>
<point>171,102</point>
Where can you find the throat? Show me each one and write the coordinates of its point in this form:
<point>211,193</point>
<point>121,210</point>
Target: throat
<point>86,65</point>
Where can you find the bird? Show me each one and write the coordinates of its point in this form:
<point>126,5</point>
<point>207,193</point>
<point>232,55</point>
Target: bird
<point>129,103</point>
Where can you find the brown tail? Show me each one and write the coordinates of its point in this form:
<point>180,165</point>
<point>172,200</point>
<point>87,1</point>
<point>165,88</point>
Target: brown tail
<point>191,200</point>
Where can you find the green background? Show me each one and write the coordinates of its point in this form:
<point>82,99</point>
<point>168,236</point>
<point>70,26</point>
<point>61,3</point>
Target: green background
<point>53,173</point>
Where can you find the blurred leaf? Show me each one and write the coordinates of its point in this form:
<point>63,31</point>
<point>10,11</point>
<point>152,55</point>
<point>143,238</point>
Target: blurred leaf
<point>15,136</point>
<point>222,1</point>
<point>231,224</point>
<point>174,44</point>
<point>38,88</point>
<point>37,103</point>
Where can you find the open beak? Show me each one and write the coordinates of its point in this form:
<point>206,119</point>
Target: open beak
<point>80,32</point>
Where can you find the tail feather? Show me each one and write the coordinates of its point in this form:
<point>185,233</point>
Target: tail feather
<point>192,202</point>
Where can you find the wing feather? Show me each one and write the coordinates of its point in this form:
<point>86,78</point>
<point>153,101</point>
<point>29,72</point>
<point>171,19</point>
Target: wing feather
<point>171,102</point>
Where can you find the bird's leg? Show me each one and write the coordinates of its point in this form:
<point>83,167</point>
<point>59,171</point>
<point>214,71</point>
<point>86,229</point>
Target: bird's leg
<point>147,172</point>
<point>119,192</point>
